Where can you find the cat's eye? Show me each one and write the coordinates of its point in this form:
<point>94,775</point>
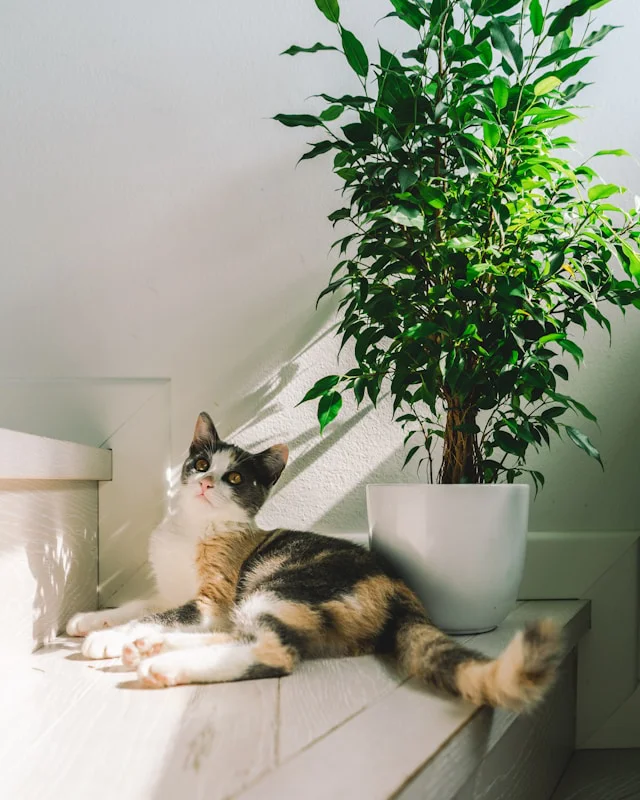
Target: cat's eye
<point>234,477</point>
<point>202,465</point>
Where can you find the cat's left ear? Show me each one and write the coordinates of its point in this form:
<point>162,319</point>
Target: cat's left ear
<point>205,431</point>
<point>274,461</point>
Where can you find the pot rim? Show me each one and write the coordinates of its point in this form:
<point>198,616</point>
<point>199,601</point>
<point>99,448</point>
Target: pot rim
<point>454,486</point>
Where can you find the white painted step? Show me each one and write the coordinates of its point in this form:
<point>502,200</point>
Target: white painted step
<point>48,535</point>
<point>342,728</point>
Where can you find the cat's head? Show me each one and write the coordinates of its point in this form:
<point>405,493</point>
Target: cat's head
<point>222,483</point>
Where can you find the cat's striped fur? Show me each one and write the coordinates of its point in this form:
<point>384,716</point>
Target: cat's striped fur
<point>267,599</point>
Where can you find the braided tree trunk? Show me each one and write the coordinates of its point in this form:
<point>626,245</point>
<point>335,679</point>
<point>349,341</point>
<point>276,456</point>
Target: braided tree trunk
<point>461,455</point>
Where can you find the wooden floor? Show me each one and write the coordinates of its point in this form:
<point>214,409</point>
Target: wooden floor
<point>601,775</point>
<point>77,729</point>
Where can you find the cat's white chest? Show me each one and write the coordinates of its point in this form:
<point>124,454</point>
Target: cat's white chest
<point>172,556</point>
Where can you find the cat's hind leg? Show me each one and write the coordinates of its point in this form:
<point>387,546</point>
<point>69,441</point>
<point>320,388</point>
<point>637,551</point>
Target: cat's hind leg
<point>268,639</point>
<point>235,660</point>
<point>156,643</point>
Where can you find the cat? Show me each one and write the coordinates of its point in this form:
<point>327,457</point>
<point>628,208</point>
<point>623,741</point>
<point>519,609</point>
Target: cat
<point>234,602</point>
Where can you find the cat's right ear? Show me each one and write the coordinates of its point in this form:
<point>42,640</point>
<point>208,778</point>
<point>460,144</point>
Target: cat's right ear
<point>274,461</point>
<point>205,431</point>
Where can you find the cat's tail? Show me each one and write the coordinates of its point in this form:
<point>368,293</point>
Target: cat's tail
<point>517,679</point>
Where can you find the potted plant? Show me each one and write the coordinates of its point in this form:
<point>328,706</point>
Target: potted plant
<point>478,248</point>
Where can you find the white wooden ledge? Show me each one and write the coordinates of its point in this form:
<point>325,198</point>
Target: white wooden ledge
<point>345,728</point>
<point>25,456</point>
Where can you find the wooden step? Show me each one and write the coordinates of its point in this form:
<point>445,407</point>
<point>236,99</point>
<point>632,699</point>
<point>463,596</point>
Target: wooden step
<point>48,535</point>
<point>24,456</point>
<point>342,728</point>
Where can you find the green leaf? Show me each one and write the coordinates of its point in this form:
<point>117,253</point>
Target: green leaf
<point>434,197</point>
<point>373,388</point>
<point>331,113</point>
<point>577,9</point>
<point>561,371</point>
<point>573,348</point>
<point>328,409</point>
<point>295,49</point>
<point>501,91</point>
<point>359,132</point>
<point>358,389</point>
<point>559,55</point>
<point>492,7</point>
<point>388,61</point>
<point>546,85</point>
<point>475,270</point>
<point>562,41</point>
<point>504,40</point>
<point>553,412</point>
<point>538,479</point>
<point>618,152</point>
<point>491,134</point>
<point>321,387</point>
<point>551,337</point>
<point>355,53</point>
<point>509,444</point>
<point>583,442</point>
<point>485,53</point>
<point>341,213</point>
<point>536,16</point>
<point>406,216</point>
<point>330,9</point>
<point>462,242</point>
<point>597,36</point>
<point>572,68</point>
<point>298,120</point>
<point>348,100</point>
<point>571,91</point>
<point>317,150</point>
<point>634,260</point>
<point>553,121</point>
<point>410,455</point>
<point>407,178</point>
<point>578,288</point>
<point>408,12</point>
<point>521,431</point>
<point>602,190</point>
<point>583,410</point>
<point>470,330</point>
<point>422,330</point>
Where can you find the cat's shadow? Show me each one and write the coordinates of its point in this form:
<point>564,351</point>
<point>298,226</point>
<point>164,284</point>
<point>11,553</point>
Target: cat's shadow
<point>133,685</point>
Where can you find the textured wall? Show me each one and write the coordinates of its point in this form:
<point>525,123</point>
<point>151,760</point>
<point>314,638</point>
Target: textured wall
<point>154,227</point>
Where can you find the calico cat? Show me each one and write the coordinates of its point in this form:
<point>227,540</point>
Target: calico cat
<point>235,602</point>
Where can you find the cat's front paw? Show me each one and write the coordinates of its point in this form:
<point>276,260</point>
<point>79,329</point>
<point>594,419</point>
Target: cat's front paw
<point>83,624</point>
<point>163,671</point>
<point>104,644</point>
<point>144,647</point>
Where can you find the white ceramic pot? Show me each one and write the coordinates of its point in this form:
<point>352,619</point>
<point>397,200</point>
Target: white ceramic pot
<point>460,548</point>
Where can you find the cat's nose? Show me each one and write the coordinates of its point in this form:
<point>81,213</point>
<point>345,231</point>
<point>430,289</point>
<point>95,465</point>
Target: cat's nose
<point>206,483</point>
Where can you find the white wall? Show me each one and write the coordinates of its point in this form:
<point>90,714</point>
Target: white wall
<point>154,226</point>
